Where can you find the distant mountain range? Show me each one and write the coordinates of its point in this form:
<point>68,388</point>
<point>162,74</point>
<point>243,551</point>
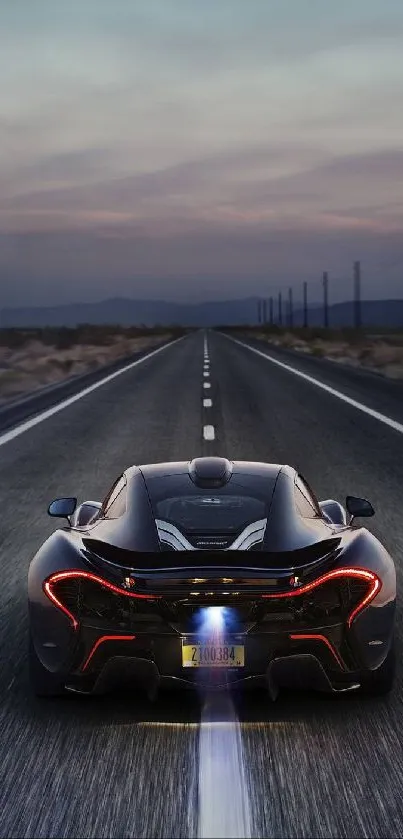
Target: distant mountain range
<point>213,313</point>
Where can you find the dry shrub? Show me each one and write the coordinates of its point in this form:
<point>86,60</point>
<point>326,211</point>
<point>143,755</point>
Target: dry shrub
<point>345,346</point>
<point>382,355</point>
<point>292,341</point>
<point>13,382</point>
<point>336,349</point>
<point>35,364</point>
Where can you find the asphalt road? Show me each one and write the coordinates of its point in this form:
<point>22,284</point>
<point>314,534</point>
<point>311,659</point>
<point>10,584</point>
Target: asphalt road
<point>111,768</point>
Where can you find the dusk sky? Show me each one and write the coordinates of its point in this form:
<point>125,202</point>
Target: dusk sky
<point>190,150</point>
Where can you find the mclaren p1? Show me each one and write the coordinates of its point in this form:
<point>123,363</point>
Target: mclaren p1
<point>268,586</point>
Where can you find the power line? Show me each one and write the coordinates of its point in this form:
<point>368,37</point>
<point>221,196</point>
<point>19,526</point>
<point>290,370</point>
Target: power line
<point>305,304</point>
<point>290,311</point>
<point>325,300</point>
<point>357,294</point>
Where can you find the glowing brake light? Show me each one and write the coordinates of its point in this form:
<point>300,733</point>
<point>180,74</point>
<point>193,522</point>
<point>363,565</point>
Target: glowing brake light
<point>102,641</point>
<point>86,575</point>
<point>373,580</point>
<point>309,636</point>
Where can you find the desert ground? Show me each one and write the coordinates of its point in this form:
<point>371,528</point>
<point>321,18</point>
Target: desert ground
<point>379,351</point>
<point>36,358</point>
<point>32,359</point>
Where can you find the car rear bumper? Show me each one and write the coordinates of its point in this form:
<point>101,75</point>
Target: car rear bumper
<point>293,671</point>
<point>148,664</point>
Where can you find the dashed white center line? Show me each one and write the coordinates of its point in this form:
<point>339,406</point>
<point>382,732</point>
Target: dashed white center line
<point>208,430</point>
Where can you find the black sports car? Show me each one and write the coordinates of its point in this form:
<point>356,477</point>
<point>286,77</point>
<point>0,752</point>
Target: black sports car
<point>313,607</point>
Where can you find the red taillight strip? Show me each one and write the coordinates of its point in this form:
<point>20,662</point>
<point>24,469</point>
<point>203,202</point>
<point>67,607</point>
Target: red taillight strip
<point>310,637</point>
<point>101,641</point>
<point>358,573</point>
<point>377,585</point>
<point>71,575</point>
<point>47,589</point>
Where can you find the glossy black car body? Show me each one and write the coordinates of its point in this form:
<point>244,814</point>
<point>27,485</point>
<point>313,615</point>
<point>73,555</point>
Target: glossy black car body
<point>115,593</point>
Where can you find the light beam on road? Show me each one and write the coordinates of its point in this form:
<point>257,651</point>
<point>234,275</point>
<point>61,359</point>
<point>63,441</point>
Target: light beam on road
<point>224,806</point>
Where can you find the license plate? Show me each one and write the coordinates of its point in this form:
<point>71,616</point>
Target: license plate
<point>213,655</point>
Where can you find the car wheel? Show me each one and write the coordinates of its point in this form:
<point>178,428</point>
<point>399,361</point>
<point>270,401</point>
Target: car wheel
<point>380,682</point>
<point>43,683</point>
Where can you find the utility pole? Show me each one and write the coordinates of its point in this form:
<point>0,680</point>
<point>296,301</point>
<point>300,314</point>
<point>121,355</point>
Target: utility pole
<point>305,304</point>
<point>325,300</point>
<point>259,308</point>
<point>265,311</point>
<point>357,295</point>
<point>290,311</point>
<point>280,309</point>
<point>271,311</point>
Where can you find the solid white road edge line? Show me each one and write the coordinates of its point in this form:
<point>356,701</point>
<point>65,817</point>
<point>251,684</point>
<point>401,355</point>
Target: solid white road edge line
<point>25,426</point>
<point>397,426</point>
<point>209,432</point>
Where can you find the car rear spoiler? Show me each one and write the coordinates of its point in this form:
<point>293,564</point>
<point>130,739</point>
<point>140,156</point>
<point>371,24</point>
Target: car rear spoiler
<point>304,560</point>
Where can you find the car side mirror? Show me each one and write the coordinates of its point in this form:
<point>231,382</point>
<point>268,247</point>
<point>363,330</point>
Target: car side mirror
<point>62,508</point>
<point>359,507</point>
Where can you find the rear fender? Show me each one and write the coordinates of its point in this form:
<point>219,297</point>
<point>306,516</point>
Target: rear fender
<point>53,636</point>
<point>371,632</point>
<point>363,550</point>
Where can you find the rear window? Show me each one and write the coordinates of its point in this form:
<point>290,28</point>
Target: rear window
<point>177,500</point>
